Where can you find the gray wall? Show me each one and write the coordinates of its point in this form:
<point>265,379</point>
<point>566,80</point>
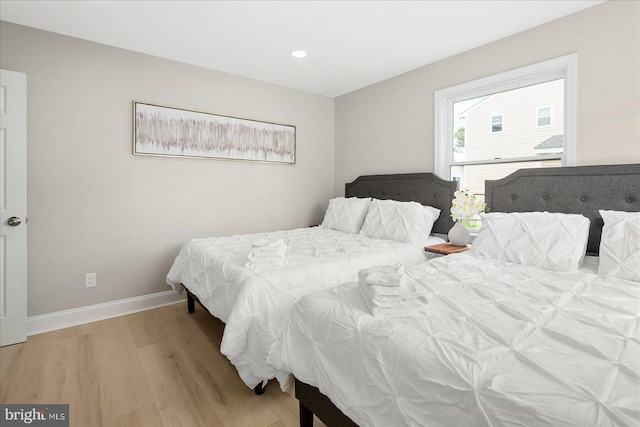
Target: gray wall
<point>388,127</point>
<point>94,207</point>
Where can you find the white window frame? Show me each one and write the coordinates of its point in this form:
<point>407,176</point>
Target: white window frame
<point>553,69</point>
<point>538,116</point>
<point>501,122</point>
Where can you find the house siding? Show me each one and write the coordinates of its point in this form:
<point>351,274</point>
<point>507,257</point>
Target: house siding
<point>520,132</point>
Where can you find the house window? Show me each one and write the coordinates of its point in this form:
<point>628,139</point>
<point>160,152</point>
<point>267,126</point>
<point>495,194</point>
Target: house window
<point>544,116</point>
<point>469,151</point>
<point>496,123</point>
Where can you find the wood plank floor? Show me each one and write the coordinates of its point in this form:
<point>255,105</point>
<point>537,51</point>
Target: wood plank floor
<point>161,367</point>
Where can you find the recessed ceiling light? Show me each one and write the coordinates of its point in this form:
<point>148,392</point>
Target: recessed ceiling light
<point>298,53</point>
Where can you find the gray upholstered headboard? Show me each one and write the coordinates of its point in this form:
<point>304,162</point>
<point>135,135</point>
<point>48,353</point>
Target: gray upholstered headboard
<point>425,188</point>
<point>578,190</point>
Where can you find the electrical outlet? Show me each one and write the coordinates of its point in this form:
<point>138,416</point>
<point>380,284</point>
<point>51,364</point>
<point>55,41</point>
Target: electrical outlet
<point>90,280</point>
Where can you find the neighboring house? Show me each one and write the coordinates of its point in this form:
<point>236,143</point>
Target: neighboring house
<point>553,145</point>
<point>522,123</point>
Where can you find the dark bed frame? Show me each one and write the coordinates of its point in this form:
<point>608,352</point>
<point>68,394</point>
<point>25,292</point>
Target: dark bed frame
<point>579,190</point>
<point>425,188</point>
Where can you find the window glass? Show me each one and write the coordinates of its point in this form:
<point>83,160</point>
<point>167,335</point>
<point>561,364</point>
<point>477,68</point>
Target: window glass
<point>473,142</point>
<point>544,116</point>
<point>537,103</point>
<point>496,123</point>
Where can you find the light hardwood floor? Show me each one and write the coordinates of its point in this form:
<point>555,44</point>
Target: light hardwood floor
<point>160,367</point>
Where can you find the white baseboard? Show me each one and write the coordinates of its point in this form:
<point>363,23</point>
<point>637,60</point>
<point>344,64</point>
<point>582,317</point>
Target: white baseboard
<point>93,313</point>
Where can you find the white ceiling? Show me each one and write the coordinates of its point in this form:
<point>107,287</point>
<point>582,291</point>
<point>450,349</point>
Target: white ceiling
<point>351,44</point>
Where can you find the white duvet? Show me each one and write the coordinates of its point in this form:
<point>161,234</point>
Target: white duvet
<point>501,345</point>
<point>255,304</point>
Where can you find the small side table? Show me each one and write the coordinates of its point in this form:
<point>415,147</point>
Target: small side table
<point>444,249</point>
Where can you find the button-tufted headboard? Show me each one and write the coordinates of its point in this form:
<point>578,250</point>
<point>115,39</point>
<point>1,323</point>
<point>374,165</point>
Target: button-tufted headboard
<point>578,190</point>
<point>425,188</point>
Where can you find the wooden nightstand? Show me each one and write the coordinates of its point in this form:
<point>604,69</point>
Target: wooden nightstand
<point>445,249</point>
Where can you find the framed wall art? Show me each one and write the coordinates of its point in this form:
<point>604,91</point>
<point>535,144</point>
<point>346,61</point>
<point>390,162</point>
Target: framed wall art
<point>177,132</point>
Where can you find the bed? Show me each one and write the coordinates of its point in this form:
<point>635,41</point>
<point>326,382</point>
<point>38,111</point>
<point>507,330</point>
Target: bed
<point>502,342</point>
<point>254,300</point>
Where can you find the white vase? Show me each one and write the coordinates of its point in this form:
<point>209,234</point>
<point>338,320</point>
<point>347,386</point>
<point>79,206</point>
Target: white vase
<point>459,235</point>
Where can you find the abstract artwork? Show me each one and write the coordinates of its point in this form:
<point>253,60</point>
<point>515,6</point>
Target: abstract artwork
<point>176,132</point>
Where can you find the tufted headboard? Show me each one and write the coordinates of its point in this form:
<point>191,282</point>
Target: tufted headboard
<point>578,190</point>
<point>425,188</point>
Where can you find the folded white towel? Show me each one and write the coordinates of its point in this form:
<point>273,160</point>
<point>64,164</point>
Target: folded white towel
<point>276,260</point>
<point>266,253</point>
<point>259,254</point>
<point>383,296</point>
<point>266,243</point>
<point>385,275</point>
<point>378,279</point>
<point>259,265</point>
<point>392,269</point>
<point>404,286</point>
<point>271,249</point>
<point>416,310</point>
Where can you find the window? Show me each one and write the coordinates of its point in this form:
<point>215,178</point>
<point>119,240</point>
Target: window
<point>544,116</point>
<point>469,151</point>
<point>496,123</point>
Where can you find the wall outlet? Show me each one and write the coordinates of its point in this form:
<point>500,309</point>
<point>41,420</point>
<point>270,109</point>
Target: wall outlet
<point>90,280</point>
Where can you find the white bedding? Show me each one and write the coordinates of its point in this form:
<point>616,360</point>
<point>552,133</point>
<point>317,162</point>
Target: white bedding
<point>502,345</point>
<point>255,304</point>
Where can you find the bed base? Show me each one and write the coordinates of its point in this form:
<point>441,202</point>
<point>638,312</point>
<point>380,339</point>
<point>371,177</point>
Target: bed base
<point>191,302</point>
<point>191,308</point>
<point>312,401</point>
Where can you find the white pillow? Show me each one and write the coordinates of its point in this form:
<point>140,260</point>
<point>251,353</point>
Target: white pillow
<point>432,212</point>
<point>553,241</point>
<point>399,221</point>
<point>620,245</point>
<point>346,214</point>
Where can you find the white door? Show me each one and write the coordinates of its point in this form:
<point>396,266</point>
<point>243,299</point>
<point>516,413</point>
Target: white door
<point>13,207</point>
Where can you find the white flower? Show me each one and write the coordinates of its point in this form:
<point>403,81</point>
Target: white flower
<point>465,206</point>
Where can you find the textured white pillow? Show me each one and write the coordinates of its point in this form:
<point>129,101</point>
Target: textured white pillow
<point>553,241</point>
<point>399,221</point>
<point>346,214</point>
<point>620,245</point>
<point>432,213</point>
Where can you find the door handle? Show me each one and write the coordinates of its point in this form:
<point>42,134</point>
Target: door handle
<point>14,221</point>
